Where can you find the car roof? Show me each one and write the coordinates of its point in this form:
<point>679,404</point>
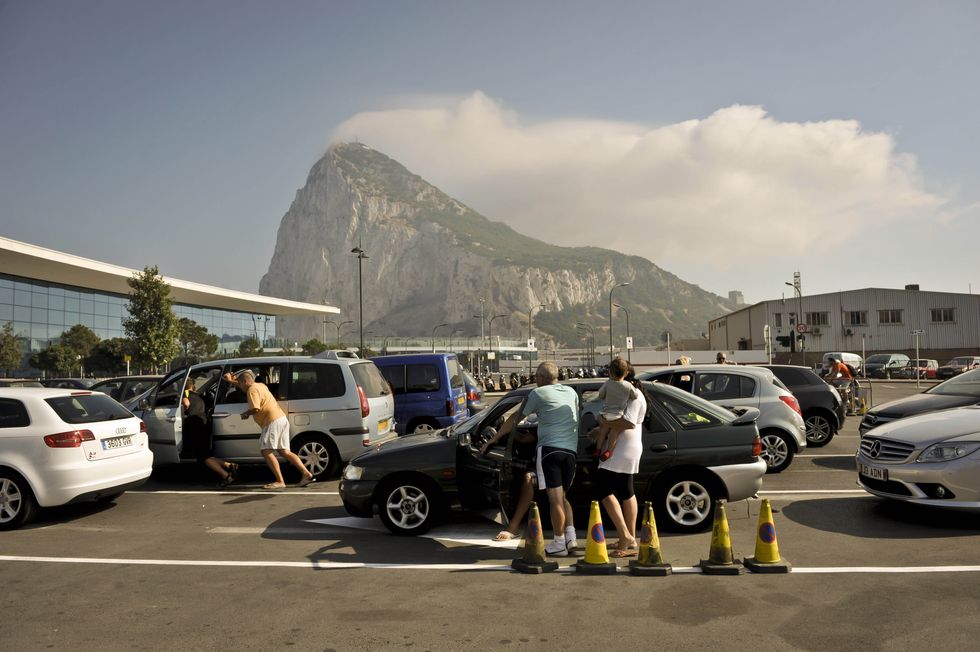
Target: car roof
<point>754,370</point>
<point>40,392</point>
<point>407,357</point>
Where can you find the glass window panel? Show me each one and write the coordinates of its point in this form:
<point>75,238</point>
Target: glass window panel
<point>56,292</point>
<point>21,286</point>
<point>71,294</point>
<point>6,282</point>
<point>114,323</point>
<point>115,310</point>
<point>86,306</point>
<point>39,315</point>
<point>6,312</point>
<point>87,320</point>
<point>56,303</point>
<point>54,331</point>
<point>22,297</point>
<point>22,328</point>
<point>22,313</point>
<point>6,295</point>
<point>56,317</point>
<point>101,322</point>
<point>72,318</point>
<point>71,304</point>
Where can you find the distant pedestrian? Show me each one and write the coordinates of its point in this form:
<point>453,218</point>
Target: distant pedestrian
<point>722,358</point>
<point>269,416</point>
<point>683,361</point>
<point>198,435</point>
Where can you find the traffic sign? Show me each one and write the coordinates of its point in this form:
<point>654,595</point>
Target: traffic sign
<point>629,343</point>
<point>918,331</point>
<point>801,328</point>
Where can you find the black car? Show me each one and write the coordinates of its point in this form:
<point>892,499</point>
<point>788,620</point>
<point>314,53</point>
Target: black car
<point>958,391</point>
<point>67,383</point>
<point>823,411</point>
<point>694,452</point>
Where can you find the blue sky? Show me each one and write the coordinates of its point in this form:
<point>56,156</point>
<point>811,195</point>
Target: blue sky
<point>176,134</point>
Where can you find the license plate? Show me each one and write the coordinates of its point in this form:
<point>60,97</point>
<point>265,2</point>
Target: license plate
<point>382,426</point>
<point>117,442</point>
<point>873,472</point>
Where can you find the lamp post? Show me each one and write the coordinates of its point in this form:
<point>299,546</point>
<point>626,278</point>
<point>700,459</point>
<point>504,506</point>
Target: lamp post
<point>530,333</point>
<point>583,325</point>
<point>458,330</point>
<point>339,326</point>
<point>620,285</point>
<point>628,359</point>
<point>799,315</point>
<point>490,335</point>
<point>434,335</point>
<point>360,290</point>
<point>479,353</point>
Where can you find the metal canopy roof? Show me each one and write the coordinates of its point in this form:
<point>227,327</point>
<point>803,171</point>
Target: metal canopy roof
<point>38,263</point>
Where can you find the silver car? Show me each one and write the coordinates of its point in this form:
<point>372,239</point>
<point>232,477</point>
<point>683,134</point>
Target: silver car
<point>780,421</point>
<point>929,459</point>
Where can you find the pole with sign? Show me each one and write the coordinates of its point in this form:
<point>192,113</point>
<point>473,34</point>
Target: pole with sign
<point>916,334</point>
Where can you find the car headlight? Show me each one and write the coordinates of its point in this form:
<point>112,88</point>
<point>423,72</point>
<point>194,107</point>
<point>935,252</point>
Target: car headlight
<point>352,472</point>
<point>947,452</point>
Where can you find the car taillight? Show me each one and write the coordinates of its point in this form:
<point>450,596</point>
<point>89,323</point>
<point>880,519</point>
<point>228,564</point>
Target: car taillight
<point>450,407</point>
<point>793,403</point>
<point>472,396</point>
<point>142,426</point>
<point>757,446</point>
<point>72,439</point>
<point>365,407</point>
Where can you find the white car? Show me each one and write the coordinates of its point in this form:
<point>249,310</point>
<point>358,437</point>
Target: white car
<point>780,420</point>
<point>60,446</point>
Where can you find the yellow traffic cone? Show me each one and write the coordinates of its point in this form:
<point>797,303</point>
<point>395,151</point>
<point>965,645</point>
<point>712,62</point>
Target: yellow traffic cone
<point>650,561</point>
<point>721,560</point>
<point>766,558</point>
<point>533,562</point>
<point>596,560</point>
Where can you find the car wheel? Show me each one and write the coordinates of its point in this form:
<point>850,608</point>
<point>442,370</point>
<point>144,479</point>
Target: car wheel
<point>17,503</point>
<point>819,430</point>
<point>410,506</point>
<point>777,451</point>
<point>423,426</point>
<point>318,454</point>
<point>685,503</point>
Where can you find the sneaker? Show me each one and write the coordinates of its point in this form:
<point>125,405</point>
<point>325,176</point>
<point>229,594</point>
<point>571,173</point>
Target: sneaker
<point>571,543</point>
<point>556,549</point>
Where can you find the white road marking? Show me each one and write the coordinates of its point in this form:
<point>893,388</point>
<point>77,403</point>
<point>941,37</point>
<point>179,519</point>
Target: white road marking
<point>791,492</point>
<point>322,565</point>
<point>476,535</point>
<point>827,455</point>
<point>224,492</point>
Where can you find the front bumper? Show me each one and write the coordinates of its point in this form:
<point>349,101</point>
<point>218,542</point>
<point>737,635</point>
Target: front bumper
<point>916,482</point>
<point>741,480</point>
<point>358,497</point>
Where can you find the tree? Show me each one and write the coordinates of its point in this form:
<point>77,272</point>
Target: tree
<point>250,347</point>
<point>57,359</point>
<point>195,341</point>
<point>151,325</point>
<point>109,357</point>
<point>10,355</point>
<point>314,346</point>
<point>80,339</point>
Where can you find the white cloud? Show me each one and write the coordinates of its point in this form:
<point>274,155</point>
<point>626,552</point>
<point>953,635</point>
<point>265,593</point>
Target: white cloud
<point>737,181</point>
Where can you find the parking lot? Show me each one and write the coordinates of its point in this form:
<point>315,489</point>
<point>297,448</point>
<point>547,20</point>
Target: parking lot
<point>181,564</point>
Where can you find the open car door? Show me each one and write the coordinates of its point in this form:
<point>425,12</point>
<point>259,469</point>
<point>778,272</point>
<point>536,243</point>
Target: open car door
<point>162,416</point>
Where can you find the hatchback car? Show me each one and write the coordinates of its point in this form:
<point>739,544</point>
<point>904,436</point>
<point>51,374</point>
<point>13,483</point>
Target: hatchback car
<point>956,392</point>
<point>19,382</point>
<point>823,410</point>
<point>694,453</point>
<point>336,406</point>
<point>957,366</point>
<point>125,388</point>
<point>68,383</point>
<point>474,393</point>
<point>931,459</point>
<point>781,419</point>
<point>60,446</point>
<point>922,368</point>
<point>884,365</point>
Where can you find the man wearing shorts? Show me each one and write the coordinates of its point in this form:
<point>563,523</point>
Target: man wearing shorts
<point>557,409</point>
<point>269,416</point>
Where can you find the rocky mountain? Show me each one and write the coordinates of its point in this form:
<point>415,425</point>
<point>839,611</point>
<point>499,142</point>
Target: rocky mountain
<point>431,259</point>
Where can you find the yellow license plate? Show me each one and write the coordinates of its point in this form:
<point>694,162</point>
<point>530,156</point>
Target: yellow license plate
<point>383,426</point>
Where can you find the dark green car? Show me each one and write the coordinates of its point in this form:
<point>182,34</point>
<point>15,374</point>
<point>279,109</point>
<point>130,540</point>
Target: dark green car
<point>694,452</point>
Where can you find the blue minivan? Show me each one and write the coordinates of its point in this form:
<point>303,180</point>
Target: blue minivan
<point>429,390</point>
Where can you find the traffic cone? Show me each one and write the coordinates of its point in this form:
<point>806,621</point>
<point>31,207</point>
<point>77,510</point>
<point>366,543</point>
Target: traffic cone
<point>650,561</point>
<point>534,562</point>
<point>766,558</point>
<point>596,560</point>
<point>720,559</point>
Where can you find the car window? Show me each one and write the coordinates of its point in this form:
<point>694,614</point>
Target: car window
<point>421,378</point>
<point>395,375</point>
<point>13,414</point>
<point>269,375</point>
<point>170,389</point>
<point>455,373</point>
<point>794,377</point>
<point>110,387</point>
<point>468,379</point>
<point>87,408</point>
<point>683,380</point>
<point>308,380</point>
<point>967,384</point>
<point>689,416</point>
<point>720,386</point>
<point>369,379</point>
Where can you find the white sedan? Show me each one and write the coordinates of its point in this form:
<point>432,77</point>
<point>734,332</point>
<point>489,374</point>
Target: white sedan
<point>60,446</point>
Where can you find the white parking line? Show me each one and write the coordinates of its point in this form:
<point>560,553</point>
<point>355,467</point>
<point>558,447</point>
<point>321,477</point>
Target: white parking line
<point>793,492</point>
<point>224,492</point>
<point>323,565</point>
<point>827,455</point>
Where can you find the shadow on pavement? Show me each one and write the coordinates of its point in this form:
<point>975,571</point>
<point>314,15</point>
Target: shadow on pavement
<point>876,518</point>
<point>49,516</point>
<point>843,463</point>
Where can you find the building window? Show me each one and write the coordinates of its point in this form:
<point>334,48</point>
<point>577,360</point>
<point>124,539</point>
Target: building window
<point>856,318</point>
<point>942,315</point>
<point>777,319</point>
<point>816,318</point>
<point>889,316</point>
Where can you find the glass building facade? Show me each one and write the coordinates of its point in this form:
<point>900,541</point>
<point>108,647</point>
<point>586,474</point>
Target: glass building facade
<point>40,312</point>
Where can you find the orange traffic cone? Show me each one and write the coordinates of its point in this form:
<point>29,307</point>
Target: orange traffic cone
<point>596,560</point>
<point>534,562</point>
<point>720,559</point>
<point>766,558</point>
<point>650,561</point>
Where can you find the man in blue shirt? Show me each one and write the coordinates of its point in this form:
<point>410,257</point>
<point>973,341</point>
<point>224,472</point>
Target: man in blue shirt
<point>557,409</point>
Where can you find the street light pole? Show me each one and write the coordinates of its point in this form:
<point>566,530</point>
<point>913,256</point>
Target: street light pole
<point>620,285</point>
<point>628,358</point>
<point>490,335</point>
<point>451,338</point>
<point>799,315</point>
<point>339,326</point>
<point>530,334</point>
<point>360,290</point>
<point>591,361</point>
<point>434,335</point>
<point>482,341</point>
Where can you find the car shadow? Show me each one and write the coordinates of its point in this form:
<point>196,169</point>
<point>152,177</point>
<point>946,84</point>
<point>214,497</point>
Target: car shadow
<point>876,518</point>
<point>48,516</point>
<point>842,463</point>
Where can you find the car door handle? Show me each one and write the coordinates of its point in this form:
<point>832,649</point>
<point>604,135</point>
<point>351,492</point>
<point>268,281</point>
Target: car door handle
<point>221,415</point>
<point>172,419</point>
<point>658,448</point>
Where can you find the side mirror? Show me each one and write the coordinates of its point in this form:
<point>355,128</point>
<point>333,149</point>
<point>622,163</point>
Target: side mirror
<point>144,404</point>
<point>747,416</point>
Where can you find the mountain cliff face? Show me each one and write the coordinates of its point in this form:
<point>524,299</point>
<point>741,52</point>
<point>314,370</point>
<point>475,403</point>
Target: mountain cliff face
<point>431,259</point>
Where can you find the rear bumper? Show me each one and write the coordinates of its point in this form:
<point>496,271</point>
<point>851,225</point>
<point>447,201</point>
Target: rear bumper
<point>741,480</point>
<point>86,480</point>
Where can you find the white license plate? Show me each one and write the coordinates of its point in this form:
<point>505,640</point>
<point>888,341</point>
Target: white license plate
<point>117,442</point>
<point>382,426</point>
<point>873,472</point>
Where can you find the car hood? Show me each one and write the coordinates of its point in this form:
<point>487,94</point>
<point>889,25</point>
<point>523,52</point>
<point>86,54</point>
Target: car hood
<point>933,427</point>
<point>407,443</point>
<point>920,403</point>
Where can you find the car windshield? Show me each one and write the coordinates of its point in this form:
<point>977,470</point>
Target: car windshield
<point>958,362</point>
<point>875,359</point>
<point>87,408</point>
<point>966,385</point>
<point>694,402</point>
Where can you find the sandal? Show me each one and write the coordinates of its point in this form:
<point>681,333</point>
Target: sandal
<point>305,481</point>
<point>227,480</point>
<point>504,535</point>
<point>273,485</point>
<point>619,553</point>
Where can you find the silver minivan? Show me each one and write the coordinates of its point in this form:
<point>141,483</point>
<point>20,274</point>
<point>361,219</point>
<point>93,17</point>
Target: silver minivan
<point>337,407</point>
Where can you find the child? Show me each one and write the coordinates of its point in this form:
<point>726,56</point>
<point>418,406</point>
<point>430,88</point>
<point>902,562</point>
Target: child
<point>615,393</point>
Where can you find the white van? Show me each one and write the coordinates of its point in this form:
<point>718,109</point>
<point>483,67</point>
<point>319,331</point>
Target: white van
<point>852,359</point>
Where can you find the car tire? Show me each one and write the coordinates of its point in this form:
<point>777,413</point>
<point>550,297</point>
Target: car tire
<point>685,501</point>
<point>318,453</point>
<point>423,425</point>
<point>777,450</point>
<point>410,505</point>
<point>17,503</point>
<point>819,430</point>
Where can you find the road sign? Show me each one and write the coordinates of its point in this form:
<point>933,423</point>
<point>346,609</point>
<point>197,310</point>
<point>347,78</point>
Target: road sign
<point>629,343</point>
<point>801,328</point>
<point>530,343</point>
<point>918,332</point>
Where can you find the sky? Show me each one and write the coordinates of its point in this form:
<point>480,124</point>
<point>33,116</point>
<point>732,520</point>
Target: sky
<point>731,143</point>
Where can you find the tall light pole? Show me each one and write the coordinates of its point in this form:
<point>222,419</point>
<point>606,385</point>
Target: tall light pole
<point>530,334</point>
<point>628,359</point>
<point>799,315</point>
<point>360,289</point>
<point>482,341</point>
<point>339,326</point>
<point>490,335</point>
<point>583,325</point>
<point>451,338</point>
<point>619,285</point>
<point>434,335</point>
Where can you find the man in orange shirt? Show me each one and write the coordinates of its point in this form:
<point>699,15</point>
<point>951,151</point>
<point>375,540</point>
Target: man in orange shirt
<point>838,370</point>
<point>269,416</point>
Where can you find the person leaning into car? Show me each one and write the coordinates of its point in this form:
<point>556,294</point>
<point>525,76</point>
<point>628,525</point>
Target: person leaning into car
<point>197,432</point>
<point>557,409</point>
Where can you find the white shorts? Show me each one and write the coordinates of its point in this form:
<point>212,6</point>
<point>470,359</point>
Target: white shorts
<point>611,414</point>
<point>275,436</point>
